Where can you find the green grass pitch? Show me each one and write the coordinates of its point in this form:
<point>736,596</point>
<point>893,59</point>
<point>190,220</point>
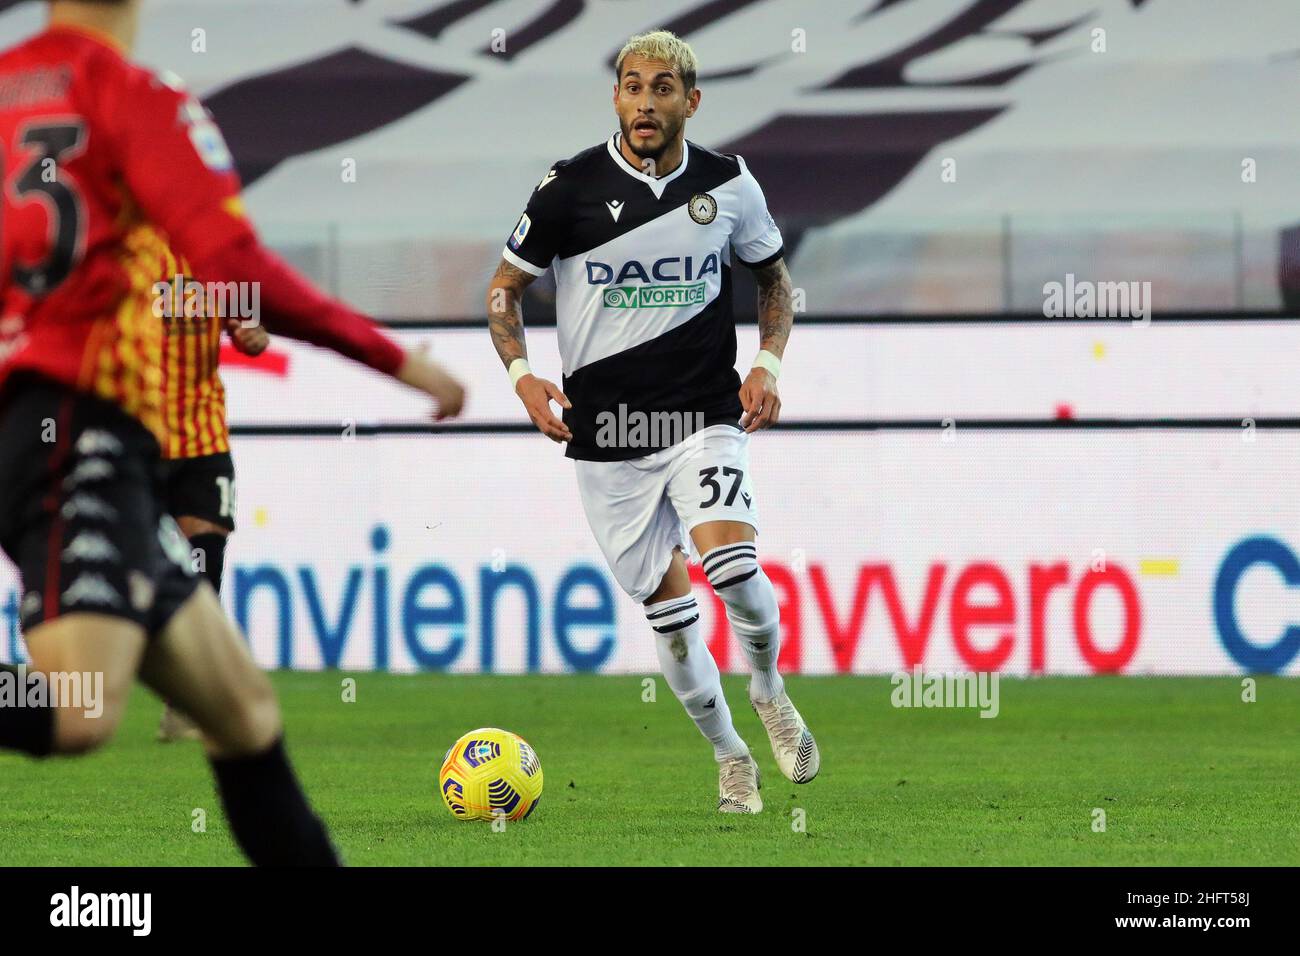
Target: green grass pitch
<point>1186,772</point>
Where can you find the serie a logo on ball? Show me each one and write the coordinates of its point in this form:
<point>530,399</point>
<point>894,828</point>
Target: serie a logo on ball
<point>489,773</point>
<point>703,208</point>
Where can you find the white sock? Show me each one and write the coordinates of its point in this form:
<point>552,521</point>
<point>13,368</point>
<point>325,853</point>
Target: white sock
<point>692,673</point>
<point>747,592</point>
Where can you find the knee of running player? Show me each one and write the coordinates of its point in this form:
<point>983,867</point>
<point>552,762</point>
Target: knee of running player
<point>88,723</point>
<point>75,733</point>
<point>735,575</point>
<point>201,664</point>
<point>253,723</point>
<point>89,664</point>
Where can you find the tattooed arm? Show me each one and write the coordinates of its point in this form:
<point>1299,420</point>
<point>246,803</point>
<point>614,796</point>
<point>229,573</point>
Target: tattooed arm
<point>758,394</point>
<point>506,313</point>
<point>775,307</point>
<point>506,323</point>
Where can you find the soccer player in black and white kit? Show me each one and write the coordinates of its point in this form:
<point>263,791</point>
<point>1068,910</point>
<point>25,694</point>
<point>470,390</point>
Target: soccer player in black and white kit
<point>641,232</point>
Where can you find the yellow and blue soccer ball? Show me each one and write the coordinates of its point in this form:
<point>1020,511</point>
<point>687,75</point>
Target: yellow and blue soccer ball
<point>490,773</point>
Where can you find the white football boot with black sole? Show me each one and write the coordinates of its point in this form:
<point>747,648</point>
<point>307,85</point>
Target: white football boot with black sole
<point>793,745</point>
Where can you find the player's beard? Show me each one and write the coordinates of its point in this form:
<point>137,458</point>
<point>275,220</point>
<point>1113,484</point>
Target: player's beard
<point>667,130</point>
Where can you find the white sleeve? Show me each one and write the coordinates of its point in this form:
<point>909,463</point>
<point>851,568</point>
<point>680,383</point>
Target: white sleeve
<point>757,240</point>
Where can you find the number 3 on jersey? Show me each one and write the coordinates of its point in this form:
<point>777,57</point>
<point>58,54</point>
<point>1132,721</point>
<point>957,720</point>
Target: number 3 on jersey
<point>42,178</point>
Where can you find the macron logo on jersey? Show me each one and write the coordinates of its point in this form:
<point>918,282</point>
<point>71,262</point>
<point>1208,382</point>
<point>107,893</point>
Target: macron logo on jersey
<point>615,207</point>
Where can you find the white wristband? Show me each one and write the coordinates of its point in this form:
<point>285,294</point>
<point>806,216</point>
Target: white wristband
<point>767,360</point>
<point>518,369</point>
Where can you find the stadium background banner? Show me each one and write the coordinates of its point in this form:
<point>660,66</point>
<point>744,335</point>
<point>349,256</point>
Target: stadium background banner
<point>1017,542</point>
<point>1120,555</point>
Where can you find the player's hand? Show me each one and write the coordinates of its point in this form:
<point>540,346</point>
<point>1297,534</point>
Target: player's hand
<point>423,373</point>
<point>761,402</point>
<point>537,394</point>
<point>251,340</point>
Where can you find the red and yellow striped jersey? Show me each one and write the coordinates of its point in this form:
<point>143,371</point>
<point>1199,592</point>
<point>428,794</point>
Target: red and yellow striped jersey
<point>194,398</point>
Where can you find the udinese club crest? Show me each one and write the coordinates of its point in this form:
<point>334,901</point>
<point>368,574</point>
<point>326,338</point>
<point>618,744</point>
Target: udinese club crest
<point>703,208</point>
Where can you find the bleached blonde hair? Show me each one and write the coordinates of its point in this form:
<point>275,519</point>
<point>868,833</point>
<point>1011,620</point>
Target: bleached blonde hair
<point>664,46</point>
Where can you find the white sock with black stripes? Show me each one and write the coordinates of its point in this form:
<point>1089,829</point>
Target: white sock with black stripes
<point>692,673</point>
<point>747,592</point>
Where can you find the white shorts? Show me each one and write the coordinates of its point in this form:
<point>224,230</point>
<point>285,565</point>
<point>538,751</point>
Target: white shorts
<point>641,509</point>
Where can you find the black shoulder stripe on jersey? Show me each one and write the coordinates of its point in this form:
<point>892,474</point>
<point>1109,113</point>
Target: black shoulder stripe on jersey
<point>581,162</point>
<point>764,263</point>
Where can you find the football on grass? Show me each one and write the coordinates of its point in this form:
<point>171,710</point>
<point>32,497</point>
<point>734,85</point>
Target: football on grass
<point>490,773</point>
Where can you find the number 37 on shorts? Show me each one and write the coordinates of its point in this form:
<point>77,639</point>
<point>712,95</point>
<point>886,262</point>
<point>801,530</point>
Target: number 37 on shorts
<point>731,479</point>
<point>711,482</point>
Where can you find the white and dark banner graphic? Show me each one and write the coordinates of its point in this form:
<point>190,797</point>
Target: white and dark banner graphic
<point>926,156</point>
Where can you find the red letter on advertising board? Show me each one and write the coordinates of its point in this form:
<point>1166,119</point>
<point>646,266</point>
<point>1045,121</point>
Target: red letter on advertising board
<point>1042,579</point>
<point>966,615</point>
<point>1107,662</point>
<point>844,639</point>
